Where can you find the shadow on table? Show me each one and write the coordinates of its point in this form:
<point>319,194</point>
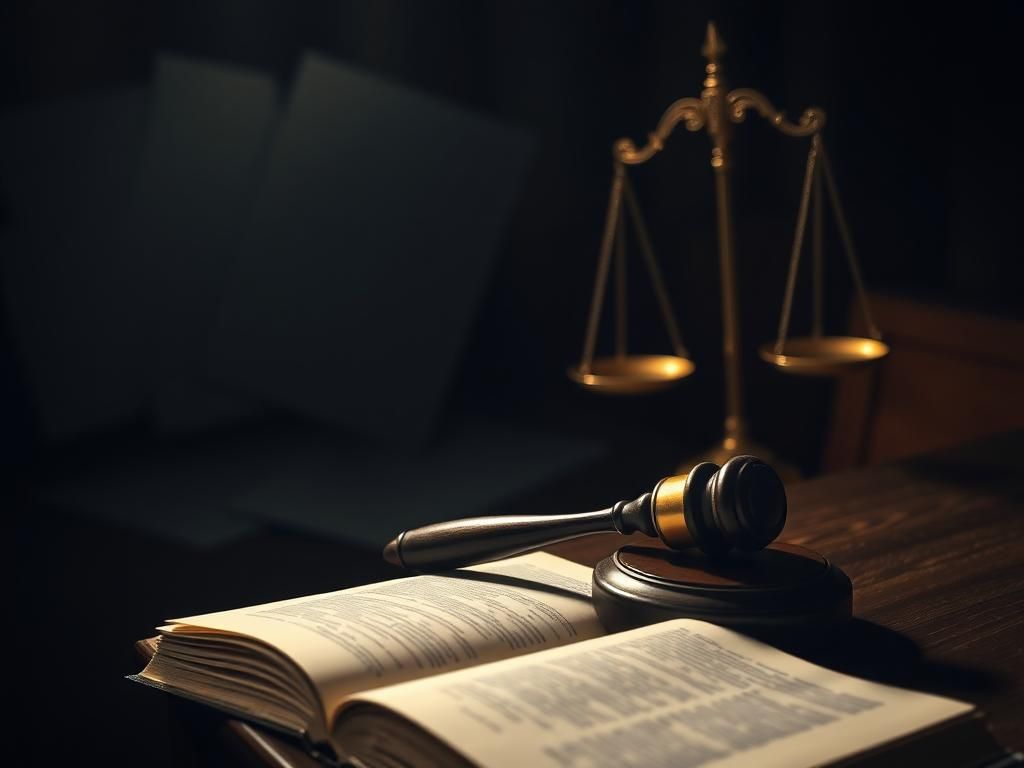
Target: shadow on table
<point>882,655</point>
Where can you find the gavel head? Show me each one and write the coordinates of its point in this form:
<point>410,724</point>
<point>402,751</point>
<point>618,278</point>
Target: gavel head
<point>739,505</point>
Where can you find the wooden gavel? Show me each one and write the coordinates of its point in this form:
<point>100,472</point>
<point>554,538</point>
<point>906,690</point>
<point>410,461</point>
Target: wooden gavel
<point>740,505</point>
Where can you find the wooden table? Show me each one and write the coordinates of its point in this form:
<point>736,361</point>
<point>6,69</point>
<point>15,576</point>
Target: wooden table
<point>935,549</point>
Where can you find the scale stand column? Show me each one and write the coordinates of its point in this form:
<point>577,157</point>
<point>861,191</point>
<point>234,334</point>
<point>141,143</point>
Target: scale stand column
<point>718,122</point>
<point>719,129</point>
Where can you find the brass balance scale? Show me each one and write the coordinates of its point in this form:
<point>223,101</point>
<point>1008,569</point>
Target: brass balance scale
<point>815,355</point>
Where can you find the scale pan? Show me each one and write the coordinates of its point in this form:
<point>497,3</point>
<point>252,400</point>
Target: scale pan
<point>632,374</point>
<point>823,355</point>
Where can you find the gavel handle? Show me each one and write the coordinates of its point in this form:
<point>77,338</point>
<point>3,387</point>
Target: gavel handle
<point>443,546</point>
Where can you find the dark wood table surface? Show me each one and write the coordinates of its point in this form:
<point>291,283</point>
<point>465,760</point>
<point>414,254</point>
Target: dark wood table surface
<point>935,549</point>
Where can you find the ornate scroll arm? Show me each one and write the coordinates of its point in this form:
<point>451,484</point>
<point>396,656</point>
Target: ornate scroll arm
<point>689,111</point>
<point>742,99</point>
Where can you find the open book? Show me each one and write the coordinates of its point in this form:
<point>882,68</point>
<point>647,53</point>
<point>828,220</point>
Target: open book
<point>505,664</point>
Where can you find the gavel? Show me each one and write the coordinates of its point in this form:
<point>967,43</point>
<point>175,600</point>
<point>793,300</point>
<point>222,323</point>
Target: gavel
<point>740,505</point>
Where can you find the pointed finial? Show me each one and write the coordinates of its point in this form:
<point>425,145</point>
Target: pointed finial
<point>714,48</point>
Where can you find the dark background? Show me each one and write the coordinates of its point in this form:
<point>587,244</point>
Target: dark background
<point>923,135</point>
<point>921,130</point>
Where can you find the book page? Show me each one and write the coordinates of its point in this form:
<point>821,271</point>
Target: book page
<point>379,634</point>
<point>679,694</point>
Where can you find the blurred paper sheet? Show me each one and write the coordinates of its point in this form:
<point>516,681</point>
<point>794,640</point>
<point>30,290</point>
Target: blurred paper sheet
<point>70,277</point>
<point>210,125</point>
<point>368,498</point>
<point>374,232</point>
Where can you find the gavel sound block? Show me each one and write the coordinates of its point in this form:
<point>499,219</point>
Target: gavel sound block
<point>716,561</point>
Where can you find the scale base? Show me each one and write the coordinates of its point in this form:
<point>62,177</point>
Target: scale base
<point>730,447</point>
<point>785,595</point>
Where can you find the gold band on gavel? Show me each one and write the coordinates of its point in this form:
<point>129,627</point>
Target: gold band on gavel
<point>669,514</point>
